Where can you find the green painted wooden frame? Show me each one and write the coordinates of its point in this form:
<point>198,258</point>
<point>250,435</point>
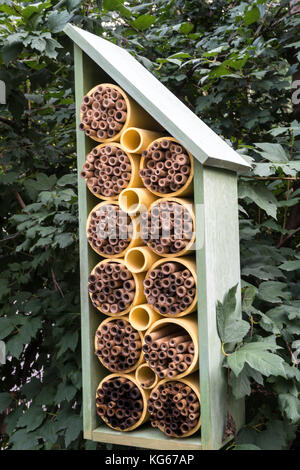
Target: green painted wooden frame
<point>218,269</point>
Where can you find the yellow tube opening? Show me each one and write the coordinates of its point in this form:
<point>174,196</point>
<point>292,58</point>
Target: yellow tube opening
<point>145,376</point>
<point>132,140</point>
<point>140,318</point>
<point>129,201</point>
<point>135,261</point>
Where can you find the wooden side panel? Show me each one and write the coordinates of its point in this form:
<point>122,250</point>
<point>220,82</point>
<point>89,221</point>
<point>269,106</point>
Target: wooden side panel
<point>87,76</point>
<point>218,266</point>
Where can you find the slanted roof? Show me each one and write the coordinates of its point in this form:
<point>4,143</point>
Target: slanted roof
<point>158,101</point>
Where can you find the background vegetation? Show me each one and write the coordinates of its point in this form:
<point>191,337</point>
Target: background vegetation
<point>233,63</point>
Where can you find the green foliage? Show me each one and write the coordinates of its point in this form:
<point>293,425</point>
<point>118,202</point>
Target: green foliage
<point>232,63</point>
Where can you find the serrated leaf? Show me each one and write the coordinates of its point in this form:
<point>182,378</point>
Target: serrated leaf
<point>251,16</point>
<point>257,356</point>
<point>65,392</point>
<point>273,291</point>
<point>23,440</point>
<point>67,179</point>
<point>290,407</point>
<point>73,430</point>
<point>32,418</point>
<point>290,265</point>
<point>230,328</point>
<point>10,51</point>
<point>260,195</point>
<point>273,152</point>
<point>143,22</point>
<point>64,239</point>
<point>58,20</point>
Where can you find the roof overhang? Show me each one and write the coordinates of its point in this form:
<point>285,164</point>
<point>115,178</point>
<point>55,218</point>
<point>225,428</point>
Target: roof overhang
<point>203,143</point>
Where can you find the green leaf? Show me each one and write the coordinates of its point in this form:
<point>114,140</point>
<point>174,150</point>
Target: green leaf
<point>39,44</point>
<point>260,195</point>
<point>64,239</point>
<point>256,355</point>
<point>230,328</point>
<point>5,401</point>
<point>241,385</point>
<point>290,265</point>
<point>65,392</point>
<point>248,297</point>
<point>273,291</point>
<point>67,179</point>
<point>273,152</point>
<point>69,341</point>
<point>23,440</point>
<point>73,430</point>
<point>32,418</point>
<point>10,51</point>
<point>246,447</point>
<point>251,16</point>
<point>144,22</point>
<point>186,27</point>
<point>58,20</point>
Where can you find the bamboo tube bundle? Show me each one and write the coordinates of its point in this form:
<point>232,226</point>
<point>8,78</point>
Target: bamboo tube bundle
<point>170,286</point>
<point>168,227</point>
<point>121,403</point>
<point>169,351</point>
<point>106,111</point>
<point>109,169</point>
<point>110,231</point>
<point>174,407</point>
<point>113,289</point>
<point>118,345</point>
<point>167,168</point>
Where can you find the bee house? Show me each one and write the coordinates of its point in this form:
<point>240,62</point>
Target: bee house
<point>151,355</point>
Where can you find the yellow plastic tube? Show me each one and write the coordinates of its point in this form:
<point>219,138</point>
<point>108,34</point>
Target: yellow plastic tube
<point>145,396</point>
<point>119,317</point>
<point>134,241</point>
<point>134,200</point>
<point>188,188</point>
<point>137,140</point>
<point>188,262</point>
<point>135,180</point>
<point>146,377</point>
<point>140,259</point>
<point>136,115</point>
<point>189,206</point>
<point>190,325</point>
<point>139,296</point>
<point>143,316</point>
<point>193,382</point>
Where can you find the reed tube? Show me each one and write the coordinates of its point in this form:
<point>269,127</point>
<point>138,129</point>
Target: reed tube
<point>142,316</point>
<point>109,169</point>
<point>168,227</point>
<point>121,402</point>
<point>107,111</point>
<point>170,286</point>
<point>167,168</point>
<point>137,140</point>
<point>134,200</point>
<point>113,289</point>
<point>174,407</point>
<point>140,259</point>
<point>170,347</point>
<point>110,231</point>
<point>146,377</point>
<point>118,345</point>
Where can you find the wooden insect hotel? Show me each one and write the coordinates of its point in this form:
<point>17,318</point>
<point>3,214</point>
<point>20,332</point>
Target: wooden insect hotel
<point>159,246</point>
